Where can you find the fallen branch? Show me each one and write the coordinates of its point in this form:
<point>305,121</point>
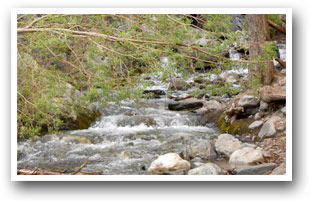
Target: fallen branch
<point>283,64</point>
<point>80,168</point>
<point>277,27</point>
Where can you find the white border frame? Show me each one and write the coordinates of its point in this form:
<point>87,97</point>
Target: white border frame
<point>15,177</point>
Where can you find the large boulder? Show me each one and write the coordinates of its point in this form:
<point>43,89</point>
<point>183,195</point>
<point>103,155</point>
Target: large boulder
<point>270,94</point>
<point>246,155</point>
<point>78,117</point>
<point>227,144</point>
<point>168,163</point>
<point>206,169</point>
<point>187,104</point>
<point>268,128</point>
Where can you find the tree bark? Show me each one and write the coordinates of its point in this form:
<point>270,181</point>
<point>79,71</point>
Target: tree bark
<point>258,30</point>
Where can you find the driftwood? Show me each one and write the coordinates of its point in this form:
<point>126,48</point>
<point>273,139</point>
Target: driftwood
<point>277,27</point>
<point>36,171</point>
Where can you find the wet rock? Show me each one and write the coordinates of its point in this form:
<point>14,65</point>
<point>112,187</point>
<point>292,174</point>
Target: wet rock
<point>76,139</point>
<point>197,164</point>
<point>178,84</point>
<point>268,128</point>
<point>168,163</point>
<point>255,170</point>
<point>248,102</point>
<point>246,155</point>
<point>281,170</point>
<point>227,144</point>
<point>263,106</point>
<point>155,93</point>
<point>187,104</point>
<point>255,124</point>
<point>270,94</point>
<point>206,169</point>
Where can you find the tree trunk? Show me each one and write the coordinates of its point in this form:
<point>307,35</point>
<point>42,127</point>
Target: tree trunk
<point>258,30</point>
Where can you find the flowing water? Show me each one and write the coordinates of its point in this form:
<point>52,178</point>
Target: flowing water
<point>125,140</point>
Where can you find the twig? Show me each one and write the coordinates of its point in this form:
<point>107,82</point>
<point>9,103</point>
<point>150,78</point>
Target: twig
<point>82,166</point>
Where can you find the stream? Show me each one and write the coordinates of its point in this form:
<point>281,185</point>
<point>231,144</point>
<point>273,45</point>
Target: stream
<point>124,140</point>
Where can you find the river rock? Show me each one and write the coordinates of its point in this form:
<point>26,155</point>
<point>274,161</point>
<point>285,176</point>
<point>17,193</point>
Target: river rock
<point>248,102</point>
<point>268,128</point>
<point>187,104</point>
<point>206,169</point>
<point>270,94</point>
<point>227,144</point>
<point>246,155</point>
<point>258,116</point>
<point>201,149</point>
<point>168,163</point>
<point>155,93</point>
<point>255,170</point>
<point>76,139</point>
<point>211,105</point>
<point>281,170</point>
<point>263,106</point>
<point>178,84</point>
<point>255,124</point>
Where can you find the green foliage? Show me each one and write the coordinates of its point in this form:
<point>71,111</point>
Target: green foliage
<point>103,56</point>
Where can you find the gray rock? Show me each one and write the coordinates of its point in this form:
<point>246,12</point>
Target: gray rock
<point>168,163</point>
<point>156,93</point>
<point>257,116</point>
<point>211,106</point>
<point>197,164</point>
<point>255,170</point>
<point>187,104</point>
<point>255,124</point>
<point>248,102</point>
<point>206,169</point>
<point>251,111</point>
<point>201,149</point>
<point>246,155</point>
<point>227,144</point>
<point>237,22</point>
<point>263,106</point>
<point>268,128</point>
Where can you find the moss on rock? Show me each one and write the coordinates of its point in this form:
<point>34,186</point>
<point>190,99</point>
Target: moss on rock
<point>240,126</point>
